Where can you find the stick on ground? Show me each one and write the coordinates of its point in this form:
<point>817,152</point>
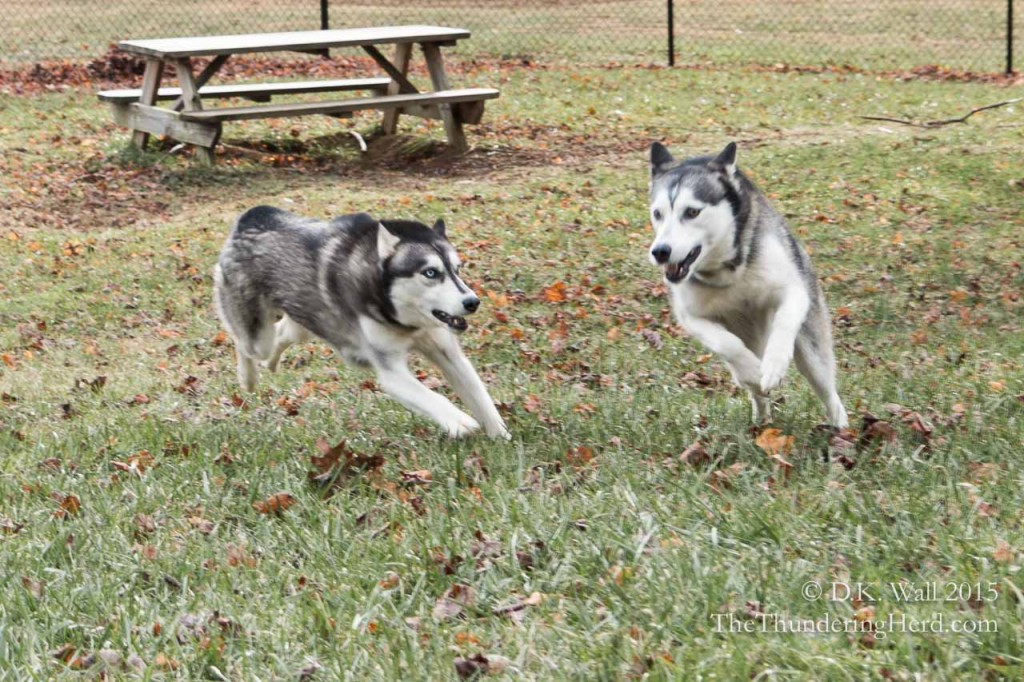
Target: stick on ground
<point>943,122</point>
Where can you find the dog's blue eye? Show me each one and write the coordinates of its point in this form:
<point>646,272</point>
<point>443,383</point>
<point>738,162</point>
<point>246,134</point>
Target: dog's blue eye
<point>657,214</point>
<point>431,273</point>
<point>691,213</point>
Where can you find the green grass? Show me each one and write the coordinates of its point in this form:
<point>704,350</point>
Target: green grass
<point>106,257</point>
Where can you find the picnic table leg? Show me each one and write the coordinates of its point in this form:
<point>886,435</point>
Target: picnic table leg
<point>452,122</point>
<point>191,101</point>
<point>150,86</point>
<point>402,53</point>
<point>203,77</point>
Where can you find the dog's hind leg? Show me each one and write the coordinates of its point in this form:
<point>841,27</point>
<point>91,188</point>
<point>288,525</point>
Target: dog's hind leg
<point>248,372</point>
<point>286,332</point>
<point>815,360</point>
<point>249,350</point>
<point>243,318</point>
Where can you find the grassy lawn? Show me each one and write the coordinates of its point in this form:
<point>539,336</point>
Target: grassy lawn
<point>132,476</point>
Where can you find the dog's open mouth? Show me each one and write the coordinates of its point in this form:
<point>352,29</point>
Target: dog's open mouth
<point>454,321</point>
<point>677,272</point>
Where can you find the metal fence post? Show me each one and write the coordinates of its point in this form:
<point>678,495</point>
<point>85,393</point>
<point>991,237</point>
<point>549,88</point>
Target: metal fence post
<point>324,23</point>
<point>1009,37</point>
<point>672,35</point>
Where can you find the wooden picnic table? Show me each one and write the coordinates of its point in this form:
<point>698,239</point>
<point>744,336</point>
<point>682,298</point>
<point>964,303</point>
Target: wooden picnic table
<point>188,119</point>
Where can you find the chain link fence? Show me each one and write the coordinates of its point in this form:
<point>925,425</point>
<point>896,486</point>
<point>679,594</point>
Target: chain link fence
<point>869,34</point>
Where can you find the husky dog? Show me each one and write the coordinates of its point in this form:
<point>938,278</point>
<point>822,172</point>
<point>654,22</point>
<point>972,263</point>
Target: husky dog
<point>738,280</point>
<point>373,290</point>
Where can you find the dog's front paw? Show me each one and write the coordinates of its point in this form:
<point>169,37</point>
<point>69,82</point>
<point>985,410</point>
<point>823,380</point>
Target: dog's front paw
<point>461,426</point>
<point>773,371</point>
<point>498,431</point>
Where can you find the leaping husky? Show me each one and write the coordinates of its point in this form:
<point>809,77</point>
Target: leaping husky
<point>738,280</point>
<point>373,290</point>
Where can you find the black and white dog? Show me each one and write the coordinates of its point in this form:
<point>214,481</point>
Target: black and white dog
<point>738,280</point>
<point>374,290</point>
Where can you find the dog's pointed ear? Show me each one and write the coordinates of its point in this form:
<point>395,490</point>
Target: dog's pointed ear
<point>387,243</point>
<point>726,160</point>
<point>661,158</point>
<point>439,228</point>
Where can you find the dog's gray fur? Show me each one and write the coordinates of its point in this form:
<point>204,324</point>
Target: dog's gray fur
<point>739,281</point>
<point>373,290</point>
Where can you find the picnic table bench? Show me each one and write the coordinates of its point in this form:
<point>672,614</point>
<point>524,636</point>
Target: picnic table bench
<point>188,120</point>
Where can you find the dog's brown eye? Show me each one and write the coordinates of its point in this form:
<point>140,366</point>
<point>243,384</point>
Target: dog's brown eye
<point>691,213</point>
<point>431,273</point>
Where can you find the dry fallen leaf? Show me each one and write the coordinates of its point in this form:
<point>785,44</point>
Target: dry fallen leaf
<point>721,479</point>
<point>274,504</point>
<point>473,667</point>
<point>163,661</point>
<point>338,463</point>
<point>69,504</point>
<point>454,602</point>
<point>774,442</point>
<point>1003,552</point>
<point>417,477</point>
<point>555,293</point>
<point>579,456</point>
<point>145,523</point>
<point>483,547</point>
<point>879,433</point>
<point>696,455</point>
<point>204,526</point>
<point>515,609</point>
<point>653,338</point>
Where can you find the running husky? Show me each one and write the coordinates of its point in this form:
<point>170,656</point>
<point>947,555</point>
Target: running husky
<point>739,281</point>
<point>374,290</point>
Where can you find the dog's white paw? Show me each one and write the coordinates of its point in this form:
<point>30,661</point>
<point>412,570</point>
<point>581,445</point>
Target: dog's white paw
<point>773,371</point>
<point>498,431</point>
<point>461,426</point>
<point>761,408</point>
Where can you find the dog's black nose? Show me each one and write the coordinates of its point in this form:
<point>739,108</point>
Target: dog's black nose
<point>661,253</point>
<point>471,304</point>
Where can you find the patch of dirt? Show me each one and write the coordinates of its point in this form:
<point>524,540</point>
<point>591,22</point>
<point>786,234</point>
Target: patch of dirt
<point>408,154</point>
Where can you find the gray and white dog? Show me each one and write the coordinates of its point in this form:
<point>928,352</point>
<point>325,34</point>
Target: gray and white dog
<point>373,290</point>
<point>739,281</point>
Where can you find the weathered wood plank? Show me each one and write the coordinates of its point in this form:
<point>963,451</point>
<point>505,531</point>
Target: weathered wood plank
<point>407,102</point>
<point>191,101</point>
<point>150,84</point>
<point>403,53</point>
<point>204,77</point>
<point>397,75</point>
<point>452,124</point>
<point>189,92</point>
<point>159,121</point>
<point>255,91</point>
<point>294,40</point>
